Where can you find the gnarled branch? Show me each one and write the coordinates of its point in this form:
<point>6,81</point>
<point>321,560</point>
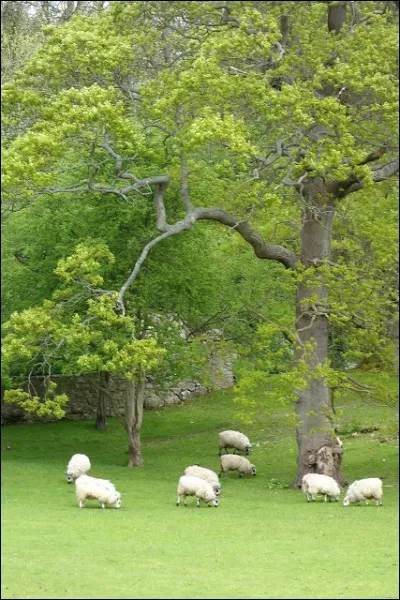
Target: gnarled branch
<point>261,248</point>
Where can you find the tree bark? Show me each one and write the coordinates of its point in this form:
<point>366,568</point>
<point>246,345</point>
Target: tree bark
<point>133,420</point>
<point>101,413</point>
<point>336,16</point>
<point>318,451</point>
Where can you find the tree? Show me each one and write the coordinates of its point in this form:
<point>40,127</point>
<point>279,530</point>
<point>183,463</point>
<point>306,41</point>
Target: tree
<point>21,28</point>
<point>78,331</point>
<point>248,112</point>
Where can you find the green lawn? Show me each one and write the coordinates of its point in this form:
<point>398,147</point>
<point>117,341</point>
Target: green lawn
<point>263,541</point>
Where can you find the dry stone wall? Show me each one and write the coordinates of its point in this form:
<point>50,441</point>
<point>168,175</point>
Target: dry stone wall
<point>83,393</point>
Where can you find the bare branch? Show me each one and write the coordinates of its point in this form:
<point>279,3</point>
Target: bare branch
<point>353,184</point>
<point>376,155</point>
<point>162,224</point>
<point>178,227</point>
<point>147,182</point>
<point>386,171</point>
<point>261,248</point>
<point>138,183</point>
<point>360,385</point>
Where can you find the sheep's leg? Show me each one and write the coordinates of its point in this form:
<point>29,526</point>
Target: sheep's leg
<point>308,497</point>
<point>313,497</point>
<point>184,500</point>
<point>81,504</point>
<point>240,474</point>
<point>367,502</point>
<point>178,500</point>
<point>325,498</point>
<point>102,505</point>
<point>198,503</point>
<point>379,502</point>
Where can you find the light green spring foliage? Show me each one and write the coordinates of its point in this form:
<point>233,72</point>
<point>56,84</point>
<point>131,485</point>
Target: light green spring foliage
<point>77,331</point>
<point>217,92</point>
<point>51,405</point>
<point>162,80</point>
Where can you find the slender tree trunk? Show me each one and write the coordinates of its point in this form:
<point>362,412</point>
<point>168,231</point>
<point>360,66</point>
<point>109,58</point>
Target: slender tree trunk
<point>318,451</point>
<point>101,413</point>
<point>133,420</point>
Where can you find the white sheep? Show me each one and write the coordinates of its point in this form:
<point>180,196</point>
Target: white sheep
<point>91,488</point>
<point>314,483</point>
<point>364,489</point>
<point>78,465</point>
<point>206,474</point>
<point>106,483</point>
<point>233,439</point>
<point>194,486</point>
<point>234,462</point>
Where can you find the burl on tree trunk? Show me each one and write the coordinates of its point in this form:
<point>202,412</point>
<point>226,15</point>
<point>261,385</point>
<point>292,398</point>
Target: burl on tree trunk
<point>133,420</point>
<point>318,448</point>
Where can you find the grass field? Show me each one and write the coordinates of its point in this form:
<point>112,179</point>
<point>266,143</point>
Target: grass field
<point>263,541</point>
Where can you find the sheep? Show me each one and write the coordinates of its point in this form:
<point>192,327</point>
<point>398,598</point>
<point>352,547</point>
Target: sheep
<point>194,486</point>
<point>233,439</point>
<point>91,488</point>
<point>234,462</point>
<point>314,483</point>
<point>206,474</point>
<point>364,489</point>
<point>106,483</point>
<point>78,465</point>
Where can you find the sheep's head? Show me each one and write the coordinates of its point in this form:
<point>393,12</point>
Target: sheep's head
<point>217,489</point>
<point>70,479</point>
<point>214,502</point>
<point>248,448</point>
<point>346,501</point>
<point>253,470</point>
<point>117,500</point>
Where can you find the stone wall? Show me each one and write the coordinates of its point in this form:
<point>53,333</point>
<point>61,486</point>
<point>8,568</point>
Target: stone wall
<point>83,392</point>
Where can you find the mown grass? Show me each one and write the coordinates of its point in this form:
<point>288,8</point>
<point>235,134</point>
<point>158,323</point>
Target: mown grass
<point>264,540</point>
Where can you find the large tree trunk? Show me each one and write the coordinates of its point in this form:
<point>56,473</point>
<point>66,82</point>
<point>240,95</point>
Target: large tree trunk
<point>101,412</point>
<point>133,420</point>
<point>318,450</point>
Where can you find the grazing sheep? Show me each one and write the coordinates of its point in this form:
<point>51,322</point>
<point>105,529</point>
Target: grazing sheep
<point>233,439</point>
<point>91,488</point>
<point>314,483</point>
<point>206,474</point>
<point>78,465</point>
<point>105,483</point>
<point>234,462</point>
<point>194,486</point>
<point>364,489</point>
